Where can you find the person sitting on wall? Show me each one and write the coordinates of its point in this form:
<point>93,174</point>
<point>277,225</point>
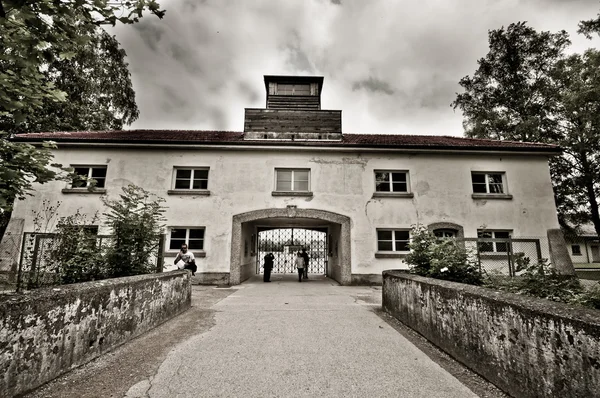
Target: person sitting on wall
<point>187,259</point>
<point>268,266</point>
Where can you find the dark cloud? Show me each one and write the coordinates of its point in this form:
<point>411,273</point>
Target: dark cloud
<point>297,57</point>
<point>374,85</point>
<point>392,67</point>
<point>150,34</point>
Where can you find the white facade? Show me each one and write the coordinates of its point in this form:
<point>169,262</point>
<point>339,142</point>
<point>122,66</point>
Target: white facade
<point>242,179</point>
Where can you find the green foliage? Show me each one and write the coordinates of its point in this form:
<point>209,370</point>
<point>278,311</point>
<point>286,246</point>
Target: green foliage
<point>539,280</point>
<point>511,95</point>
<point>74,256</point>
<point>36,37</point>
<point>590,297</point>
<point>526,89</point>
<point>542,280</point>
<point>135,221</point>
<point>589,27</point>
<point>98,87</point>
<point>441,258</point>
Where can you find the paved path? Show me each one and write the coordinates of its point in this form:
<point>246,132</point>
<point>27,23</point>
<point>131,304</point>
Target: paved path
<point>287,339</point>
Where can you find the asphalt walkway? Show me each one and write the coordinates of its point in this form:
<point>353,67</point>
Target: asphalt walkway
<point>290,339</point>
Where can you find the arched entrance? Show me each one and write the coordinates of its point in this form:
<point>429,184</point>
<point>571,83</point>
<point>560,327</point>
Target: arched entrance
<point>245,232</point>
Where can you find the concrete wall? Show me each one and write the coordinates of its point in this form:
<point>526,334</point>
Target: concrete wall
<point>242,180</point>
<point>50,331</point>
<point>247,261</point>
<point>528,347</point>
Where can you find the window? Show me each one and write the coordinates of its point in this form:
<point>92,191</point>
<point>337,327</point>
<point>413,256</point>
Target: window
<point>493,246</point>
<point>192,178</point>
<point>391,181</point>
<point>98,173</point>
<point>192,237</point>
<point>292,180</point>
<point>393,240</point>
<point>487,182</point>
<point>576,250</point>
<point>293,89</point>
<point>445,233</point>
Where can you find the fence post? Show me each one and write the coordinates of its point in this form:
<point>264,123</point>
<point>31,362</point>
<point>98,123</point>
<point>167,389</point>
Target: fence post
<point>538,248</point>
<point>21,259</point>
<point>160,260</point>
<point>511,265</point>
<point>33,270</point>
<point>478,255</point>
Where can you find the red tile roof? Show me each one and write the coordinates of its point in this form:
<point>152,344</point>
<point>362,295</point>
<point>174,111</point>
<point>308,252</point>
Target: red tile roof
<point>390,141</point>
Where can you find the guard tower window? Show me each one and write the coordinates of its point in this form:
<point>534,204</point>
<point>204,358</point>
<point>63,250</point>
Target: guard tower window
<point>293,89</point>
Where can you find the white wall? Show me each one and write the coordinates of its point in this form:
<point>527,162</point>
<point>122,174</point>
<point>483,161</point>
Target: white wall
<point>242,180</point>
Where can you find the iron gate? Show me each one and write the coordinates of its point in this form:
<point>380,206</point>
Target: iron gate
<point>285,243</point>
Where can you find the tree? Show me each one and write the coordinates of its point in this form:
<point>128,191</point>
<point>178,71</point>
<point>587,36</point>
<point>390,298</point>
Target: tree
<point>98,87</point>
<point>511,95</point>
<point>526,89</point>
<point>576,174</point>
<point>589,27</point>
<point>135,221</point>
<point>35,34</point>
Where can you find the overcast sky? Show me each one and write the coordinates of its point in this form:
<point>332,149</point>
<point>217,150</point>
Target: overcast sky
<point>391,66</point>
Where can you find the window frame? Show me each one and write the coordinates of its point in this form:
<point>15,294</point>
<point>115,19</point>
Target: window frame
<point>186,239</point>
<point>579,252</point>
<point>488,184</point>
<point>293,180</point>
<point>391,182</point>
<point>444,231</point>
<point>494,244</point>
<point>193,170</point>
<point>90,168</point>
<point>293,91</point>
<point>394,240</point>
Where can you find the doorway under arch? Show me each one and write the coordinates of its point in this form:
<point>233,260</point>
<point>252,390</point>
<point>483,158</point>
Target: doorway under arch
<point>243,262</point>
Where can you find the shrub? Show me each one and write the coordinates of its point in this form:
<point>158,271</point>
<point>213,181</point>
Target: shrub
<point>135,221</point>
<point>73,256</point>
<point>542,280</point>
<point>441,258</point>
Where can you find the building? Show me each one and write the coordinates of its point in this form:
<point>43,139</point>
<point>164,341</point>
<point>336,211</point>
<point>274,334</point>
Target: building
<point>292,179</point>
<point>584,248</point>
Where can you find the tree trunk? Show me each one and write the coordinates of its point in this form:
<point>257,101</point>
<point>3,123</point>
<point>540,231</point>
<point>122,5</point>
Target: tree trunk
<point>4,219</point>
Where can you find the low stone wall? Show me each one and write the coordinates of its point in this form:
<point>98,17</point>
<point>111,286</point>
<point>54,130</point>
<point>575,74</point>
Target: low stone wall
<point>526,346</point>
<point>47,332</point>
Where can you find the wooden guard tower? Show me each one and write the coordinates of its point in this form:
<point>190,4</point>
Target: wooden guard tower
<point>293,112</point>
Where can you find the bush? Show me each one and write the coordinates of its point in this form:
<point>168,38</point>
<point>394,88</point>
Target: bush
<point>441,258</point>
<point>540,280</point>
<point>73,256</point>
<point>135,221</point>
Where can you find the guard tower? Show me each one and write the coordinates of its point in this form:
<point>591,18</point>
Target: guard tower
<point>293,112</point>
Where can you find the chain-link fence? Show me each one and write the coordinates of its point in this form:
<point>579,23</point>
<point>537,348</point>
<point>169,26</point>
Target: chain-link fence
<point>43,263</point>
<point>507,257</point>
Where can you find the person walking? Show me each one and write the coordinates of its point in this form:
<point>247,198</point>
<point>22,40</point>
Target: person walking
<point>306,258</point>
<point>268,266</point>
<point>300,266</point>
